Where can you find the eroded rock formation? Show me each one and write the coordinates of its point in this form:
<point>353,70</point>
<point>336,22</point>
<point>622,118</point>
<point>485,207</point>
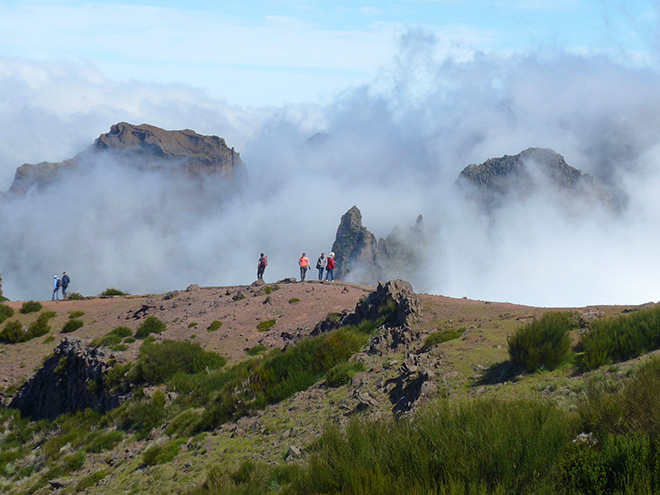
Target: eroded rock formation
<point>72,379</point>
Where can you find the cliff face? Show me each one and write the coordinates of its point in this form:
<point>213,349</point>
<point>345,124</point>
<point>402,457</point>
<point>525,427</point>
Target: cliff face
<point>144,146</point>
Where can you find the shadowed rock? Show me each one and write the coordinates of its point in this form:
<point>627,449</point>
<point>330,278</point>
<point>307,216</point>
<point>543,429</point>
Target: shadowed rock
<point>70,380</point>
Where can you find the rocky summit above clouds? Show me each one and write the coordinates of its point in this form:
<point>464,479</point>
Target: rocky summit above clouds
<point>145,146</point>
<point>361,258</point>
<point>527,172</point>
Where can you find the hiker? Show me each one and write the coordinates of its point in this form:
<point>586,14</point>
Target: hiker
<point>261,266</point>
<point>65,284</point>
<point>321,264</point>
<point>330,268</point>
<point>57,283</point>
<point>303,263</point>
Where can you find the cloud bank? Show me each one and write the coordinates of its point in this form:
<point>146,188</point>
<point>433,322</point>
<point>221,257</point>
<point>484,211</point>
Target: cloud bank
<point>394,148</point>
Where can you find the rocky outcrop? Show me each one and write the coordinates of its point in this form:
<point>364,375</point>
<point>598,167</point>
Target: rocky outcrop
<point>360,258</point>
<point>72,379</point>
<point>146,147</point>
<point>524,174</point>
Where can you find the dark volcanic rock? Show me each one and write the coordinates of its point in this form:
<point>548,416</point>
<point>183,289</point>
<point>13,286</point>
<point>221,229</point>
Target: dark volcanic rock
<point>362,259</point>
<point>527,172</point>
<point>146,147</point>
<point>354,247</point>
<point>70,380</point>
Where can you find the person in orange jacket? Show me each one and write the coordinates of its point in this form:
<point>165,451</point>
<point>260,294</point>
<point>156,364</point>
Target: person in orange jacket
<point>303,263</point>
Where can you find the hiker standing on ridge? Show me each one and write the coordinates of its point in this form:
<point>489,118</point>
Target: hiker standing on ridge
<point>303,263</point>
<point>321,264</point>
<point>65,284</point>
<point>57,283</point>
<point>261,266</point>
<point>330,268</point>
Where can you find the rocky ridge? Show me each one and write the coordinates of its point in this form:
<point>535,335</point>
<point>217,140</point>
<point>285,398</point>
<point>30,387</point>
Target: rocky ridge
<point>146,147</point>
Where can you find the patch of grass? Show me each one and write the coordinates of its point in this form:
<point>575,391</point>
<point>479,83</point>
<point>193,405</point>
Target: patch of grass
<point>31,307</point>
<point>271,288</point>
<point>5,312</point>
<point>214,326</point>
<point>264,326</point>
<point>440,336</point>
<point>75,296</point>
<point>150,325</point>
<point>118,347</point>
<point>113,292</point>
<point>294,300</point>
<point>192,324</point>
<point>543,342</point>
<point>342,374</point>
<point>13,332</point>
<point>49,339</point>
<point>620,339</point>
<point>257,349</point>
<point>72,326</point>
<point>90,480</point>
<point>75,314</point>
<point>160,454</point>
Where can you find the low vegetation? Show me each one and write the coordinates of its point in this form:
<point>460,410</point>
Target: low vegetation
<point>214,326</point>
<point>150,325</point>
<point>114,337</point>
<point>72,325</point>
<point>5,312</point>
<point>31,307</point>
<point>112,292</point>
<point>76,314</point>
<point>542,343</point>
<point>440,336</point>
<point>15,333</point>
<point>619,339</point>
<point>264,326</point>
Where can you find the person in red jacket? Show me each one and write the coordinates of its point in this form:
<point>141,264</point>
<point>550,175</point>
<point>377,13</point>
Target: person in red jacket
<point>330,268</point>
<point>303,263</point>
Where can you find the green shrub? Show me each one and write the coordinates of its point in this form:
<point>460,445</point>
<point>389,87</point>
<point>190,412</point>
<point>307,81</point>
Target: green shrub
<point>76,314</point>
<point>257,349</point>
<point>342,374</point>
<point>118,347</point>
<point>104,440</point>
<point>31,307</point>
<point>294,300</point>
<point>72,326</point>
<point>264,326</point>
<point>440,336</point>
<point>542,343</point>
<point>620,339</point>
<point>47,315</point>
<point>157,362</point>
<point>75,296</point>
<point>13,333</point>
<point>90,480</point>
<point>192,324</point>
<point>113,292</point>
<point>214,326</point>
<point>149,326</point>
<point>5,312</point>
<point>129,340</point>
<point>40,326</point>
<point>271,288</point>
<point>140,416</point>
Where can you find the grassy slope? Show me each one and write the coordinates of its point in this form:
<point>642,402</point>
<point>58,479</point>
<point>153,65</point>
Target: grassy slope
<point>459,369</point>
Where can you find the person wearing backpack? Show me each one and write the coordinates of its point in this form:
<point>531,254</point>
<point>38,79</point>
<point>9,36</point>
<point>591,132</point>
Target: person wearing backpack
<point>303,263</point>
<point>57,283</point>
<point>65,284</point>
<point>261,266</point>
<point>330,268</point>
<point>321,264</point>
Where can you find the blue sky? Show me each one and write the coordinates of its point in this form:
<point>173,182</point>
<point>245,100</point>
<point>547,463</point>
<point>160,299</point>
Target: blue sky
<point>274,52</point>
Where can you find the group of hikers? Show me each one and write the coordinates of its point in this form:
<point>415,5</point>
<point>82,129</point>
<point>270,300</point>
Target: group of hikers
<point>60,283</point>
<point>323,264</point>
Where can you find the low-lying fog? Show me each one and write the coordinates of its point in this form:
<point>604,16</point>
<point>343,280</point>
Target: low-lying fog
<point>394,149</point>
